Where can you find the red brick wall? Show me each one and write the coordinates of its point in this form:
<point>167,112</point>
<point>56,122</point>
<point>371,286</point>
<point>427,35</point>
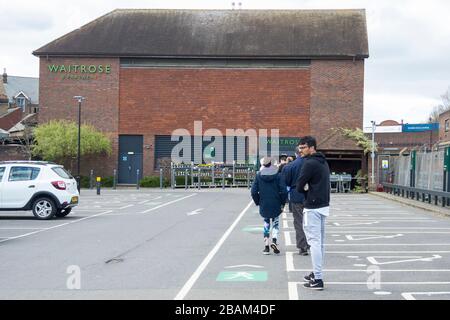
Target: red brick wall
<point>11,152</point>
<point>158,101</point>
<point>336,101</point>
<point>444,136</point>
<point>101,107</point>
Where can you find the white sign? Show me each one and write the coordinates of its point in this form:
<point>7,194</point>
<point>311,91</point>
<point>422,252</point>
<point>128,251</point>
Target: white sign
<point>384,129</point>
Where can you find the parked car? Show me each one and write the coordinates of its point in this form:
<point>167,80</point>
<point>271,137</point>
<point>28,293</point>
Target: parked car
<point>45,188</point>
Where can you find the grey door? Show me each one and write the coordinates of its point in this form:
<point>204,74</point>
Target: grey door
<point>130,158</point>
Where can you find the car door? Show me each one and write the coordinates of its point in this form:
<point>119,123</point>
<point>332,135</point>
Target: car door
<point>2,173</point>
<point>19,186</point>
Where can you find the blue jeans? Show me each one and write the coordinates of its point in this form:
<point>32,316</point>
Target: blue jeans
<point>314,227</point>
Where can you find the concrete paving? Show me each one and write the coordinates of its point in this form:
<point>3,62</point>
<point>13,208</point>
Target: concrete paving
<point>207,244</point>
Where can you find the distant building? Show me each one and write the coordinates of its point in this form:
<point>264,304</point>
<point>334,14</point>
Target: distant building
<point>19,98</point>
<point>395,139</point>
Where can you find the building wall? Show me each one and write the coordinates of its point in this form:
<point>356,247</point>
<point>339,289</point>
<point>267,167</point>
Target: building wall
<point>336,101</point>
<point>444,136</point>
<point>158,101</point>
<point>101,107</point>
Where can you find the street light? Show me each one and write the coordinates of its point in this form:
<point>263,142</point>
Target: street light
<point>373,151</point>
<point>80,99</point>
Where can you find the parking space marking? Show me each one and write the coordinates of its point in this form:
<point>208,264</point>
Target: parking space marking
<point>189,284</point>
<point>290,267</point>
<point>127,206</point>
<point>410,295</point>
<point>54,227</point>
<point>167,203</point>
<point>19,228</point>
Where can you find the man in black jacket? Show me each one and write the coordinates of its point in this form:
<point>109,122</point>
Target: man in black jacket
<point>290,173</point>
<point>315,180</point>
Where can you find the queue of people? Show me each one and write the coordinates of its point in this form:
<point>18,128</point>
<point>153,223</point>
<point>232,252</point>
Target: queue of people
<point>304,183</point>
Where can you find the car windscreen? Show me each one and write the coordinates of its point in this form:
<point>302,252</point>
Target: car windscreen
<point>62,173</point>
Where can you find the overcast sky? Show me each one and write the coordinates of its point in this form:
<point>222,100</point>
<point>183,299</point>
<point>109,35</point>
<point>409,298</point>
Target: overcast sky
<point>407,71</point>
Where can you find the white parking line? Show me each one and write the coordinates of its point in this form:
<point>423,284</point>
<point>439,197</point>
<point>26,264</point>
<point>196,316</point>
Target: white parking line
<point>54,227</point>
<point>127,206</point>
<point>21,228</point>
<point>188,285</point>
<point>167,203</point>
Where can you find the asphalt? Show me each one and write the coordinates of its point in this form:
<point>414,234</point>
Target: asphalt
<point>207,244</point>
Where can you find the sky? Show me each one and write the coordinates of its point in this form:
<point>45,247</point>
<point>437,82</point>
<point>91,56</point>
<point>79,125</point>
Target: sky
<point>407,71</point>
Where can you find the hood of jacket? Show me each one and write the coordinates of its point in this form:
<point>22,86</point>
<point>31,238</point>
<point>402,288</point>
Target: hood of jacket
<point>318,156</point>
<point>268,173</point>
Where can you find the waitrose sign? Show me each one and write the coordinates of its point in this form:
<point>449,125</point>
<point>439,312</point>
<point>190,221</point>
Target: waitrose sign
<point>79,71</point>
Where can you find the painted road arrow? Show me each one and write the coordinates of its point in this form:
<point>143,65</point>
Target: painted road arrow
<point>196,211</point>
<point>374,259</point>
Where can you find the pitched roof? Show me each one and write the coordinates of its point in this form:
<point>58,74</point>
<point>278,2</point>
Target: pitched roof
<point>218,33</point>
<point>27,85</point>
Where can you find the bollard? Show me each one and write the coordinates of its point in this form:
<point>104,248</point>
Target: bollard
<point>223,178</point>
<point>91,180</point>
<point>172,176</point>
<point>248,178</point>
<point>99,180</point>
<point>186,172</point>
<point>160,178</point>
<point>137,179</point>
<point>234,173</point>
<point>199,177</point>
<point>213,182</point>
<point>192,173</point>
<point>115,179</point>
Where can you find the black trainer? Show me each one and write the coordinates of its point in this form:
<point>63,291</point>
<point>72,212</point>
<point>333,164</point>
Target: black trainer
<point>314,284</point>
<point>303,252</point>
<point>275,248</point>
<point>308,277</point>
<point>266,250</point>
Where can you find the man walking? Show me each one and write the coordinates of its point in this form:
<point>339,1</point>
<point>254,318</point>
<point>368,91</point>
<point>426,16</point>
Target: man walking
<point>315,180</point>
<point>290,173</point>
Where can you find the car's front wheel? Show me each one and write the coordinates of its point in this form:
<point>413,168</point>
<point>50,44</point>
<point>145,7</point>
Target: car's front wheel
<point>61,213</point>
<point>44,208</point>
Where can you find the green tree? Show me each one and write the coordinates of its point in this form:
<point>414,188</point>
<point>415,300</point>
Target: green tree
<point>359,137</point>
<point>58,141</point>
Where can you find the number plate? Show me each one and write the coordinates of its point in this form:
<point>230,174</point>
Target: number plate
<point>74,200</point>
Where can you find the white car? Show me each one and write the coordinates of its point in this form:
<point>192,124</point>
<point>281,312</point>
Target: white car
<point>43,187</point>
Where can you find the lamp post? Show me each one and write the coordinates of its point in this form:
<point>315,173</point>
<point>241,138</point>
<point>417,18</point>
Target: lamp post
<point>79,99</point>
<point>373,151</point>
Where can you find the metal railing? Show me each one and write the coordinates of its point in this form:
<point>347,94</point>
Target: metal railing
<point>211,176</point>
<point>430,196</point>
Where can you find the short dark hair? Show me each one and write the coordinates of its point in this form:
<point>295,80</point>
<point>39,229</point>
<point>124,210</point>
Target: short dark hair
<point>309,141</point>
<point>283,157</point>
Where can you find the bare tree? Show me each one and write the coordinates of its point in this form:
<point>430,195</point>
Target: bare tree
<point>440,108</point>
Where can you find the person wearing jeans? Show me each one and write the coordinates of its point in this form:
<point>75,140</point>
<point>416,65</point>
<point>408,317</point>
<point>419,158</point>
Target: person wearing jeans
<point>314,179</point>
<point>269,193</point>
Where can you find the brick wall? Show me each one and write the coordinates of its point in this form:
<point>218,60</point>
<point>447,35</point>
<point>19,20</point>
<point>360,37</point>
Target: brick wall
<point>444,136</point>
<point>158,101</point>
<point>11,152</point>
<point>336,101</point>
<point>101,107</point>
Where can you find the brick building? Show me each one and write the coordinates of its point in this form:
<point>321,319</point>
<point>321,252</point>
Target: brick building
<point>396,139</point>
<point>145,73</point>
